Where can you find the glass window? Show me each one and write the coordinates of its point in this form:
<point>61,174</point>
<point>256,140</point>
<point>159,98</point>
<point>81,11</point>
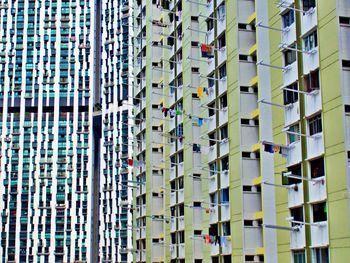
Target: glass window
<point>312,81</point>
<point>319,212</point>
<point>288,18</point>
<point>310,41</point>
<point>293,136</point>
<point>317,167</point>
<point>315,125</point>
<point>290,56</point>
<point>320,255</point>
<point>308,4</point>
<point>290,96</point>
<point>222,72</point>
<point>299,256</point>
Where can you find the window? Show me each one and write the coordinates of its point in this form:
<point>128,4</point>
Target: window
<point>312,81</point>
<point>288,18</point>
<point>295,170</point>
<point>290,96</point>
<point>223,101</point>
<point>225,164</point>
<point>222,41</point>
<point>320,255</point>
<point>212,138</point>
<point>212,169</point>
<point>297,214</point>
<point>210,23</point>
<point>310,41</point>
<point>315,125</point>
<point>226,229</point>
<point>345,64</point>
<point>319,212</point>
<point>308,4</point>
<point>221,12</point>
<point>289,56</point>
<point>293,137</point>
<point>222,72</point>
<point>224,132</point>
<point>224,194</point>
<point>299,256</point>
<point>344,20</point>
<point>317,168</point>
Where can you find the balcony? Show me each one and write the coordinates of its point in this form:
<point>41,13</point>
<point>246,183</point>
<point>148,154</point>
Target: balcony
<point>228,248</point>
<point>213,185</point>
<point>251,136</point>
<point>222,55</point>
<point>317,189</point>
<point>289,35</point>
<point>211,123</point>
<point>224,179</point>
<point>297,238</point>
<point>181,222</point>
<point>294,153</point>
<point>212,155</point>
<point>250,170</point>
<point>213,214</point>
<point>172,224</point>
<point>181,196</point>
<point>319,234</point>
<point>157,228</point>
<point>296,198</point>
<point>223,116</point>
<point>308,21</point>
<point>214,249</point>
<point>290,75</point>
<point>315,145</point>
<point>172,198</point>
<point>211,66</point>
<point>222,85</point>
<point>310,61</point>
<point>224,147</point>
<point>173,251</point>
<point>313,102</point>
<point>248,104</point>
<point>291,114</point>
<point>225,212</point>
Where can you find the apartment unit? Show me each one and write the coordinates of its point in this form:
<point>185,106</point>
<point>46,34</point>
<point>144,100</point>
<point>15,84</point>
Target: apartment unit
<point>242,114</point>
<point>115,180</point>
<point>65,130</point>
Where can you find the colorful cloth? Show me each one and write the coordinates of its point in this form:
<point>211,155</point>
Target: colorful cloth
<point>130,162</point>
<point>200,122</point>
<point>207,51</point>
<point>200,92</point>
<point>268,148</point>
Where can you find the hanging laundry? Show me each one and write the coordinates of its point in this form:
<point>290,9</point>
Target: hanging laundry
<point>268,148</point>
<point>207,51</point>
<point>223,240</point>
<point>200,92</point>
<point>276,148</point>
<point>207,210</point>
<point>207,238</point>
<point>172,113</point>
<point>217,240</point>
<point>178,112</point>
<point>200,122</point>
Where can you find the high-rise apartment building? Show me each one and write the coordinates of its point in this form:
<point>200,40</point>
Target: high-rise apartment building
<point>64,90</point>
<point>242,117</point>
<point>115,180</point>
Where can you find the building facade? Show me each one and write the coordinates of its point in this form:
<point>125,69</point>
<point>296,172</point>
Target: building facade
<point>236,119</point>
<point>115,180</point>
<point>63,198</point>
